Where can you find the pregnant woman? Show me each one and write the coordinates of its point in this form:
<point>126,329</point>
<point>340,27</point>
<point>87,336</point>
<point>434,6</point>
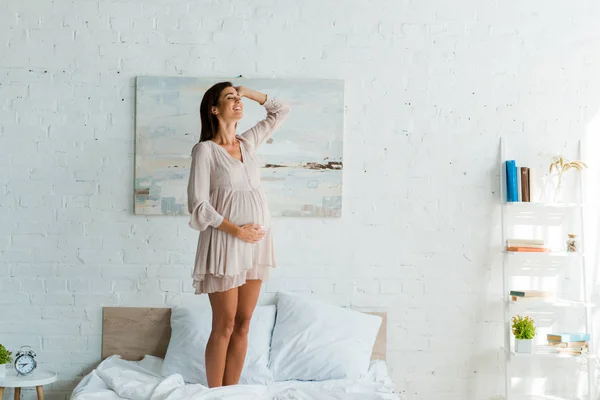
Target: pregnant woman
<point>229,208</point>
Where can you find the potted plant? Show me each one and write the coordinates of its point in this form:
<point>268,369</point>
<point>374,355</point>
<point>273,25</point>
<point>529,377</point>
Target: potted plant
<point>524,330</point>
<point>5,358</point>
<point>561,165</point>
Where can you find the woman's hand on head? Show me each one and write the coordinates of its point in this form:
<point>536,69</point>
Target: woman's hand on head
<point>250,233</point>
<point>251,94</point>
<point>241,91</point>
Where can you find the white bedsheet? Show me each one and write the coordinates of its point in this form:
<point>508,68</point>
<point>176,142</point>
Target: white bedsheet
<point>116,379</point>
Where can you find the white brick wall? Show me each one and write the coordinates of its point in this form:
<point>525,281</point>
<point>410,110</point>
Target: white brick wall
<point>430,87</point>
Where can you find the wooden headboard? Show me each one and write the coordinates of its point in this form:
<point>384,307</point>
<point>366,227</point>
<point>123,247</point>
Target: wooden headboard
<point>133,332</point>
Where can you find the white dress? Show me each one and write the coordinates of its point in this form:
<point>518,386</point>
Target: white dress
<point>221,186</point>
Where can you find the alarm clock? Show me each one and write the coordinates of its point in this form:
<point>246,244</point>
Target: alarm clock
<point>25,362</point>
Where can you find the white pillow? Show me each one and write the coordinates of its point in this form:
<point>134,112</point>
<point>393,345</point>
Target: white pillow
<point>316,341</point>
<point>190,329</point>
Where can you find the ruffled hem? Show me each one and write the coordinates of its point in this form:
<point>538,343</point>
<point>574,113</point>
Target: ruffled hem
<point>220,253</point>
<point>212,283</point>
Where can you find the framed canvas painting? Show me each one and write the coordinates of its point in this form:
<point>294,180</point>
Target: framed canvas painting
<point>302,163</point>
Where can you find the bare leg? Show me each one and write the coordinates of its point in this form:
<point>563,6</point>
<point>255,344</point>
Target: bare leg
<point>236,353</point>
<point>223,306</point>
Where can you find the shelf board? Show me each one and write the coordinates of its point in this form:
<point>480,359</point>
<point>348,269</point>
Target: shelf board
<point>544,254</point>
<point>540,302</point>
<point>537,397</point>
<point>536,271</point>
<point>540,352</point>
<point>536,204</point>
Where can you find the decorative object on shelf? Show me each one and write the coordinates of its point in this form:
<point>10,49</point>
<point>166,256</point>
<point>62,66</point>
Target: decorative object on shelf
<point>562,165</point>
<point>5,359</point>
<point>25,362</point>
<point>524,330</point>
<point>572,243</point>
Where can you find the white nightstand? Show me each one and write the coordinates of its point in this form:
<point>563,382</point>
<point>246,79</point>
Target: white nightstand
<point>37,379</point>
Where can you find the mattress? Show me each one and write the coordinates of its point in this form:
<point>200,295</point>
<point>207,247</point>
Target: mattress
<point>116,379</point>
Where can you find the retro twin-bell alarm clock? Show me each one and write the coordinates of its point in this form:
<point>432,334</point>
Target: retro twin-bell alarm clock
<point>25,360</point>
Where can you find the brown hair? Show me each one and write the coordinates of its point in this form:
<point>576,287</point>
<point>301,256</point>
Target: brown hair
<point>208,120</point>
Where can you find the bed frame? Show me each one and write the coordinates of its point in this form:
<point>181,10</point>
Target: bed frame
<point>133,332</point>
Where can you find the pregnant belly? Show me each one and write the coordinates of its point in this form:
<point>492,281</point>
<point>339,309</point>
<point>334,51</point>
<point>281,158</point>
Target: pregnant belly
<point>246,207</point>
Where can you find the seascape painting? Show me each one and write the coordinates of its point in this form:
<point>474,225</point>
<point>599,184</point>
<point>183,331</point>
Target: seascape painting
<point>302,162</point>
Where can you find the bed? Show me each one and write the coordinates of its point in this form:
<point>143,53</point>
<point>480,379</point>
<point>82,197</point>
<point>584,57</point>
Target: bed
<point>134,345</point>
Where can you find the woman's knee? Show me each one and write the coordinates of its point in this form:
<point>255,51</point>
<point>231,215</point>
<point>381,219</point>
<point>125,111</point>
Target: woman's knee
<point>224,326</point>
<point>242,325</point>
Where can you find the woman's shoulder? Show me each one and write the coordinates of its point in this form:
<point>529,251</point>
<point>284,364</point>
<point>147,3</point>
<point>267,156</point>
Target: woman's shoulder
<point>201,147</point>
<point>202,151</point>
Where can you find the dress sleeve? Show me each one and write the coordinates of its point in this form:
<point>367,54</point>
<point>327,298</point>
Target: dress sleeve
<point>277,112</point>
<point>203,214</point>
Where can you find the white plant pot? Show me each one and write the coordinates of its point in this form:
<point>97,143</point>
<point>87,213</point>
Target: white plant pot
<point>2,371</point>
<point>523,345</point>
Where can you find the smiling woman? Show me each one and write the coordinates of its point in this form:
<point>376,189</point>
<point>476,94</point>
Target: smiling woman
<point>228,207</point>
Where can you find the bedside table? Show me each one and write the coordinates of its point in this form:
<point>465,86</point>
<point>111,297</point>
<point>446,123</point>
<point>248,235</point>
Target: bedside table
<point>37,379</point>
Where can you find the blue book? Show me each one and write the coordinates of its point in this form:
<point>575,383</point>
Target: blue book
<point>515,181</point>
<point>512,193</point>
<point>568,337</point>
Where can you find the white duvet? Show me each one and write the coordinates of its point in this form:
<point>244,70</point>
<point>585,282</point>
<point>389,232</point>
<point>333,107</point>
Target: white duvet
<point>116,379</point>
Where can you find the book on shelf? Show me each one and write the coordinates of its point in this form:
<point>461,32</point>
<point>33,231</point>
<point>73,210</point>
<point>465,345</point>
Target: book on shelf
<point>531,293</point>
<point>534,186</point>
<point>526,245</point>
<point>529,246</point>
<point>568,337</point>
<point>527,249</point>
<point>568,344</point>
<point>512,194</point>
<point>572,348</point>
<point>573,351</point>
<point>519,299</point>
<point>518,182</point>
<point>524,184</point>
<point>526,242</point>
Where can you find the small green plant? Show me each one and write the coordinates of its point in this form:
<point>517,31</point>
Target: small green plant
<point>523,327</point>
<point>5,355</point>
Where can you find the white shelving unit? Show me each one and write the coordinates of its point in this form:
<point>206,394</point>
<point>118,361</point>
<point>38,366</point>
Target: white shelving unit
<point>539,266</point>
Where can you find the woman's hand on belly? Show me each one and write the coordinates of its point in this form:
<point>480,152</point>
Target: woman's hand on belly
<point>250,233</point>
